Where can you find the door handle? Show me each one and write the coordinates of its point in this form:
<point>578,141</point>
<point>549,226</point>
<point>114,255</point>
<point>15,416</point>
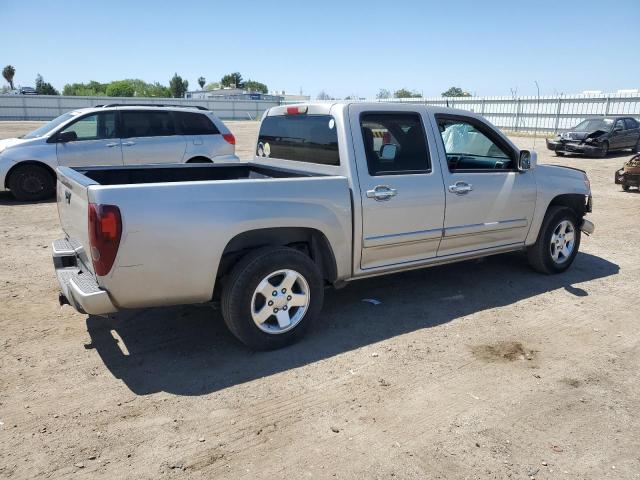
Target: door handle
<point>460,188</point>
<point>382,193</point>
<point>111,145</point>
<point>128,144</point>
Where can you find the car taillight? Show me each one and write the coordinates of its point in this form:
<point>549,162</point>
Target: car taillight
<point>229,138</point>
<point>105,230</point>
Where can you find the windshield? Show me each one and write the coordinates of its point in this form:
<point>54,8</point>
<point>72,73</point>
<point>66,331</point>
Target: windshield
<point>47,127</point>
<point>594,124</point>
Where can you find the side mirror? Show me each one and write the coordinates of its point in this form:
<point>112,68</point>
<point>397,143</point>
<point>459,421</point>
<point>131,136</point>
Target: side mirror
<point>527,160</point>
<point>64,137</point>
<point>388,151</point>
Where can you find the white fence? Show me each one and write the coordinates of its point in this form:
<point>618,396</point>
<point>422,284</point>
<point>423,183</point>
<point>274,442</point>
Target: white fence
<point>544,114</point>
<point>46,107</point>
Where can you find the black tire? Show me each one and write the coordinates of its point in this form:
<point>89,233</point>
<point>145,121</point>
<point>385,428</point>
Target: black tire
<point>625,187</point>
<point>199,160</point>
<point>540,253</point>
<point>605,150</point>
<point>238,296</point>
<point>636,149</point>
<point>31,183</point>
<point>559,154</point>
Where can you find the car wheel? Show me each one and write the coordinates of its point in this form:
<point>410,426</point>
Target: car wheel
<point>625,187</point>
<point>636,149</point>
<point>32,183</point>
<point>271,297</point>
<point>558,241</point>
<point>605,150</point>
<point>559,154</point>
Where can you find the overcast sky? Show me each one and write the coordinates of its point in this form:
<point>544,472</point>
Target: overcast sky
<point>342,47</point>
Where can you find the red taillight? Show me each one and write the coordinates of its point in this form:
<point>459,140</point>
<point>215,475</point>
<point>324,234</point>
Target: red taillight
<point>105,230</point>
<point>229,138</point>
<point>296,110</point>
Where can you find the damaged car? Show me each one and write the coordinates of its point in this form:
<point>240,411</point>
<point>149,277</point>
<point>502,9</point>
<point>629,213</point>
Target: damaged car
<point>597,137</point>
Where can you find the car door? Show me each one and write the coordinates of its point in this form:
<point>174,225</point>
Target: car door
<point>96,143</point>
<point>633,132</point>
<point>401,192</point>
<point>489,203</point>
<point>149,136</point>
<point>619,135</point>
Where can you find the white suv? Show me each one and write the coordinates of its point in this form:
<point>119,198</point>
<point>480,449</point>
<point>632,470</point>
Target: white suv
<point>111,134</point>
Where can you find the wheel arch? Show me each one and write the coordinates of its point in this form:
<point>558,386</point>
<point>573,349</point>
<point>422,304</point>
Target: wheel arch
<point>199,159</point>
<point>28,162</point>
<point>575,201</point>
<point>308,240</point>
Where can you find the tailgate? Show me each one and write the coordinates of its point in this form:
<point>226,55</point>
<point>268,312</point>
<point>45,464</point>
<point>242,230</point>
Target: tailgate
<point>73,205</point>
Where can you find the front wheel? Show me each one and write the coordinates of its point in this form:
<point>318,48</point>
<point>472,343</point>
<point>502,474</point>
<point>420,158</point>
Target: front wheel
<point>32,183</point>
<point>271,297</point>
<point>559,154</point>
<point>558,241</point>
<point>605,150</point>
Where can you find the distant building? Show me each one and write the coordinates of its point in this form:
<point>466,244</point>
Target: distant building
<point>230,94</point>
<point>292,97</point>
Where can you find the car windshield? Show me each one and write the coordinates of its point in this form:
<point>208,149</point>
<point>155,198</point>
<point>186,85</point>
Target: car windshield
<point>594,124</point>
<point>47,127</point>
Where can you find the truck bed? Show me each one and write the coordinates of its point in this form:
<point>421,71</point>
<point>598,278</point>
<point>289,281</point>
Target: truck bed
<point>127,175</point>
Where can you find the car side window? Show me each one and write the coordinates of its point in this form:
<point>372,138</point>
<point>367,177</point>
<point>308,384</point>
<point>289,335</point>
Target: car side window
<point>468,148</point>
<point>195,124</point>
<point>619,124</point>
<point>402,130</point>
<point>631,123</point>
<point>142,123</point>
<point>94,127</point>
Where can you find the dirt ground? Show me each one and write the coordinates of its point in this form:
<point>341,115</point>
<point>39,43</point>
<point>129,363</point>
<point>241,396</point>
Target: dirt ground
<point>483,369</point>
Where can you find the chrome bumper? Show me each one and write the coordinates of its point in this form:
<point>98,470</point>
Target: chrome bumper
<point>80,289</point>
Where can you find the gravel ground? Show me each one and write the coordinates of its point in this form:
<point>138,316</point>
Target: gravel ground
<point>483,369</point>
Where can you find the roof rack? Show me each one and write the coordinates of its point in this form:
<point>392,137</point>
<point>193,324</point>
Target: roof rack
<point>149,105</point>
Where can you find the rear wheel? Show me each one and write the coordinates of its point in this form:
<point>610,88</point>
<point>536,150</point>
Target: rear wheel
<point>558,241</point>
<point>32,183</point>
<point>636,149</point>
<point>199,160</point>
<point>271,297</point>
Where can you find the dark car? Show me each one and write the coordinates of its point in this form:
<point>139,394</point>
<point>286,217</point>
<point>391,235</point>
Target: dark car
<point>598,136</point>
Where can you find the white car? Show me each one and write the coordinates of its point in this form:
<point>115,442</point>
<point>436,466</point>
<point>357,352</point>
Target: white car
<point>111,135</point>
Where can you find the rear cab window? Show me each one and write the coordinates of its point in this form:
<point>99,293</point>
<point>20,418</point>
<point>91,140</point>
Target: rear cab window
<point>301,138</point>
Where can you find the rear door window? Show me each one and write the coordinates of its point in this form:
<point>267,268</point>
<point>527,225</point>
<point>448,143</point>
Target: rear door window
<point>631,123</point>
<point>190,123</point>
<point>303,138</point>
<point>142,123</point>
<point>404,130</point>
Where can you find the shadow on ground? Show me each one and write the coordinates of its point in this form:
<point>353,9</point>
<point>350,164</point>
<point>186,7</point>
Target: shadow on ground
<point>188,351</point>
<point>6,198</point>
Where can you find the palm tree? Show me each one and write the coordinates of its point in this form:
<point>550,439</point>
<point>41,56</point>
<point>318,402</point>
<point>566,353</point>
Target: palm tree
<point>8,72</point>
<point>201,82</point>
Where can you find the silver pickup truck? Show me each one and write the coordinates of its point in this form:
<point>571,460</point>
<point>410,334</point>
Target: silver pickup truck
<point>334,193</point>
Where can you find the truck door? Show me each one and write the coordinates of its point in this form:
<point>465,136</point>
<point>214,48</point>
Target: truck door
<point>489,202</point>
<point>401,190</point>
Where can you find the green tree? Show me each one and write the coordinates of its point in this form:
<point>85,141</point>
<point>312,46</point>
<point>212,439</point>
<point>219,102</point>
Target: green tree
<point>121,88</point>
<point>201,82</point>
<point>254,86</point>
<point>8,72</point>
<point>324,96</point>
<point>44,88</point>
<point>404,93</point>
<point>177,86</point>
<point>455,92</point>
<point>383,93</point>
<point>212,86</point>
<point>232,80</point>
<point>91,89</point>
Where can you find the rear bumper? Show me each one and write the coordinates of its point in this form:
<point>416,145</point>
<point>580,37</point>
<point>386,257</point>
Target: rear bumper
<point>567,147</point>
<point>79,288</point>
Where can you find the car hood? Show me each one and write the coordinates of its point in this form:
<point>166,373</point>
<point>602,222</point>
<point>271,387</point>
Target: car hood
<point>11,142</point>
<point>581,135</point>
